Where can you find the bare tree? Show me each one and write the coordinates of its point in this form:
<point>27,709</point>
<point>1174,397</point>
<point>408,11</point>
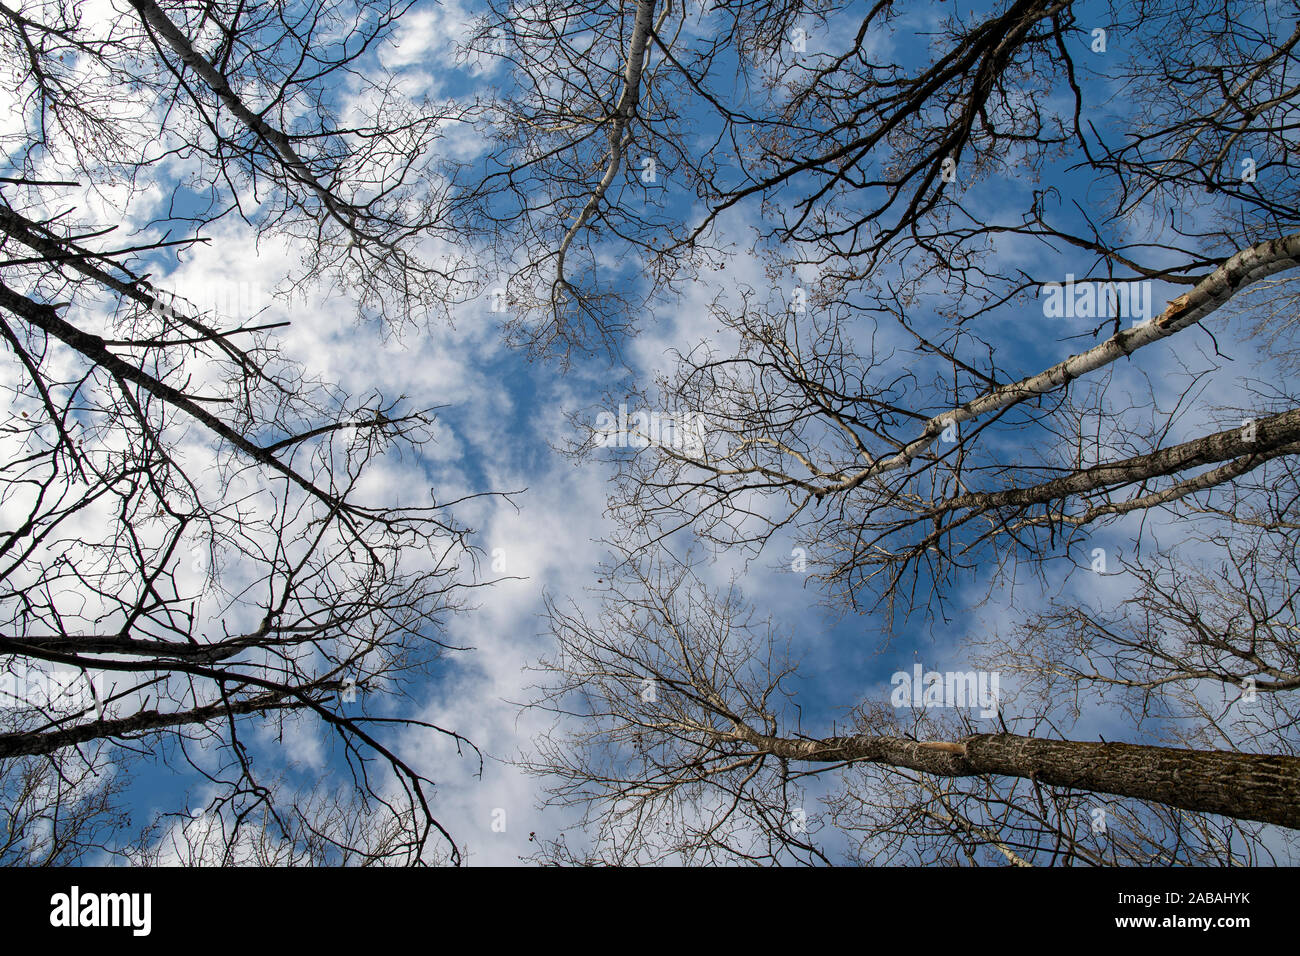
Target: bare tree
<point>686,745</point>
<point>60,809</point>
<point>187,555</point>
<point>914,406</point>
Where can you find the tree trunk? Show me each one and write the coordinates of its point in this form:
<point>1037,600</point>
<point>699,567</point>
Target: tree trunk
<point>1244,786</point>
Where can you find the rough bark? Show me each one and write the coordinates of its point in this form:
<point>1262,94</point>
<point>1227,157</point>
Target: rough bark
<point>28,744</point>
<point>1262,787</point>
<point>1273,436</point>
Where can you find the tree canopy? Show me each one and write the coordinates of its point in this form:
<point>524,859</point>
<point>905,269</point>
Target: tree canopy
<point>946,313</point>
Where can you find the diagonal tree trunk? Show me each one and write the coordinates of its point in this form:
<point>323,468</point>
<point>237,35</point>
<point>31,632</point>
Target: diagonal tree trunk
<point>1271,437</point>
<point>1247,267</point>
<point>141,722</point>
<point>279,143</point>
